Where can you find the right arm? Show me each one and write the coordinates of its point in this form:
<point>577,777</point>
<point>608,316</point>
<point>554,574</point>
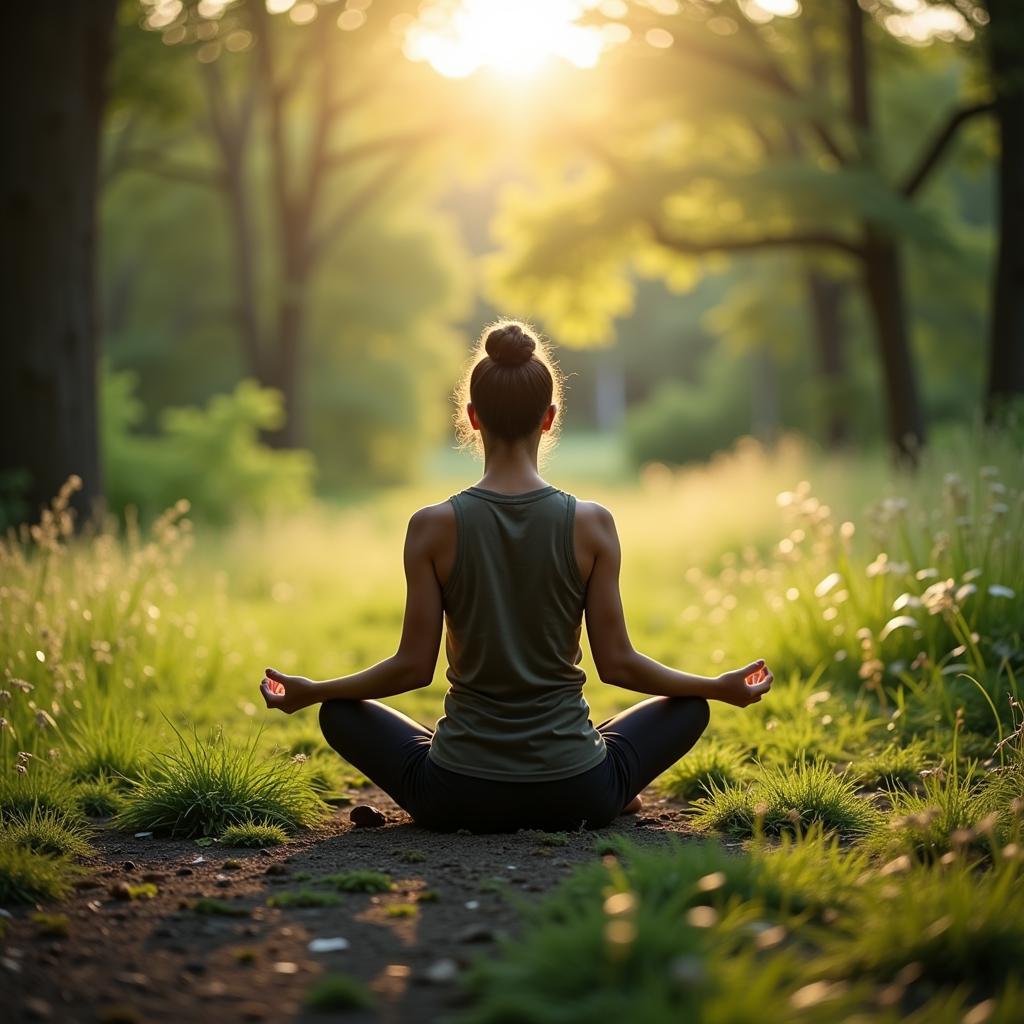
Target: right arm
<point>616,660</point>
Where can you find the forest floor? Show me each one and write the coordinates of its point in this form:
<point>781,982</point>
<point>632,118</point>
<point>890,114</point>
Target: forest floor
<point>161,959</point>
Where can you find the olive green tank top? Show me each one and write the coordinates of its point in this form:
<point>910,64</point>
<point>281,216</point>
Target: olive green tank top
<point>513,606</point>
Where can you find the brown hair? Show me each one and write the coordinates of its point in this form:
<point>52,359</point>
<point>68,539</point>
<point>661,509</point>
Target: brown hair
<point>511,379</point>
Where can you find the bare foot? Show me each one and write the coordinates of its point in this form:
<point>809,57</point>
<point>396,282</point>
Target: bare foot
<point>633,806</point>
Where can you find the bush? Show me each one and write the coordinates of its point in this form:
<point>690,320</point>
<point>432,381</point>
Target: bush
<point>205,787</point>
<point>211,456</point>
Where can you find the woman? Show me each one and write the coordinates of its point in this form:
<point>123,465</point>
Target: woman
<point>512,564</point>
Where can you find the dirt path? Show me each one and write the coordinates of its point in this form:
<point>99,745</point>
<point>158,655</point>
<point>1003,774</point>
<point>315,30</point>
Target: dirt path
<point>158,959</point>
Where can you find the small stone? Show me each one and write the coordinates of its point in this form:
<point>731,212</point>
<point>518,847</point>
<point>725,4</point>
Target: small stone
<point>472,904</point>
<point>333,945</point>
<point>133,978</point>
<point>184,871</point>
<point>38,1008</point>
<point>441,972</point>
<point>143,835</point>
<point>365,816</point>
<point>475,933</point>
<point>285,967</point>
<point>276,869</point>
<point>121,891</point>
<point>129,865</point>
<point>154,876</point>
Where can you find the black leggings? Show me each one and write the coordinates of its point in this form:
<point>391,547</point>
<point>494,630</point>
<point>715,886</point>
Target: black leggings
<point>390,749</point>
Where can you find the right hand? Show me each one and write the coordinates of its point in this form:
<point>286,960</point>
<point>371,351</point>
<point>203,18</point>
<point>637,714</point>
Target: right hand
<point>744,686</point>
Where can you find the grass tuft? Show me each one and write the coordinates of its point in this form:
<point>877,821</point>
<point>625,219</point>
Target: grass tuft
<point>339,992</point>
<point>254,834</point>
<point>99,799</point>
<point>787,799</point>
<point>206,786</point>
<point>360,881</point>
<point>47,832</point>
<point>708,765</point>
<point>27,877</point>
<point>303,898</point>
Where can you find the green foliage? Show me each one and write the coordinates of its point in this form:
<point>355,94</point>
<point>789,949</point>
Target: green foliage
<point>46,832</point>
<point>303,898</point>
<point>106,747</point>
<point>100,799</point>
<point>212,457</point>
<point>710,763</point>
<point>26,877</point>
<point>206,786</point>
<point>40,790</point>
<point>339,992</point>
<point>209,907</point>
<point>893,766</point>
<point>787,799</point>
<point>360,880</point>
<point>254,833</point>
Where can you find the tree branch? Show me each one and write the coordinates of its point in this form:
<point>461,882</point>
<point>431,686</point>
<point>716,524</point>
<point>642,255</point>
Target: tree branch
<point>354,208</point>
<point>154,162</point>
<point>934,151</point>
<point>796,240</point>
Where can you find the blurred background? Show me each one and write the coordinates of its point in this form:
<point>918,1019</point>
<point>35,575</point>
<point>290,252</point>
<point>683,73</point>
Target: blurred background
<point>253,240</point>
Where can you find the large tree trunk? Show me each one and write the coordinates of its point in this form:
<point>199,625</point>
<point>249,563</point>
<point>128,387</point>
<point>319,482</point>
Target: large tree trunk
<point>883,281</point>
<point>55,55</point>
<point>1006,338</point>
<point>825,298</point>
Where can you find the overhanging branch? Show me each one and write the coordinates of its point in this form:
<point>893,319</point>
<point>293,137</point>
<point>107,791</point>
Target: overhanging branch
<point>935,149</point>
<point>794,240</point>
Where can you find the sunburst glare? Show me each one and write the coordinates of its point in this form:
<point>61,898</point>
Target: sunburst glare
<point>458,37</point>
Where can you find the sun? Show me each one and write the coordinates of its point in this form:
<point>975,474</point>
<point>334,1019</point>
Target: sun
<point>512,37</point>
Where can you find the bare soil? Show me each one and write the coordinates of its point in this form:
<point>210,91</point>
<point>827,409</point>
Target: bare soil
<point>158,959</point>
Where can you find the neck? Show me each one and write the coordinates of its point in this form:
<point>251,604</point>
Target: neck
<point>511,468</point>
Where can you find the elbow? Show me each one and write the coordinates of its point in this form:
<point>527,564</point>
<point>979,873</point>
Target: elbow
<point>614,668</point>
<point>415,675</point>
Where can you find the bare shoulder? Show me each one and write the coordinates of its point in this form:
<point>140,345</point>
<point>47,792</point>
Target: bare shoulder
<point>432,522</point>
<point>594,520</point>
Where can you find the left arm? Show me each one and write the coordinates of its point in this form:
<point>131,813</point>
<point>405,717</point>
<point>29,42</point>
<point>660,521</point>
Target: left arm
<point>411,666</point>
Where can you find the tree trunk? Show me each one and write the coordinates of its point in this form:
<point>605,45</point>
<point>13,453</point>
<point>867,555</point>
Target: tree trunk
<point>288,365</point>
<point>883,282</point>
<point>1006,332</point>
<point>825,298</point>
<point>55,54</point>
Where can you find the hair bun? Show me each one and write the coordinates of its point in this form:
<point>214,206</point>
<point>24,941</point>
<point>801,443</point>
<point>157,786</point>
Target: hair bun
<point>509,345</point>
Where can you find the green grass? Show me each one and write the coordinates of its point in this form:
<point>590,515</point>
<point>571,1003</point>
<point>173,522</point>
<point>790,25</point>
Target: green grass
<point>46,832</point>
<point>208,785</point>
<point>339,992</point>
<point>360,881</point>
<point>209,907</point>
<point>303,898</point>
<point>833,568</point>
<point>787,799</point>
<point>709,764</point>
<point>254,834</point>
<point>26,877</point>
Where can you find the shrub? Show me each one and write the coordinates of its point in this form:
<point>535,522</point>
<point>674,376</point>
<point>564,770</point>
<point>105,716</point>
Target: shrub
<point>787,799</point>
<point>212,456</point>
<point>206,786</point>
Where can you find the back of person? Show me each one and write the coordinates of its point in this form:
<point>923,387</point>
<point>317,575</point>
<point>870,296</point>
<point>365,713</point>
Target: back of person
<point>513,607</point>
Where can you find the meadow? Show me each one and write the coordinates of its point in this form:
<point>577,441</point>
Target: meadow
<point>852,847</point>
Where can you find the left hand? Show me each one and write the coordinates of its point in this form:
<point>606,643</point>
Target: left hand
<point>287,693</point>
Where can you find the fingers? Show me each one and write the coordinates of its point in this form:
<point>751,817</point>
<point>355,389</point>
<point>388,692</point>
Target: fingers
<point>752,668</point>
<point>763,686</point>
<point>273,699</point>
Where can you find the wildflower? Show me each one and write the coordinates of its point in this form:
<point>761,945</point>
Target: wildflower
<point>998,590</point>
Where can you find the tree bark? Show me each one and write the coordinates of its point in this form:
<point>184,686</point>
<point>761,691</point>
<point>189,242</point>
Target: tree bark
<point>883,282</point>
<point>1005,43</point>
<point>883,277</point>
<point>55,55</point>
<point>825,300</point>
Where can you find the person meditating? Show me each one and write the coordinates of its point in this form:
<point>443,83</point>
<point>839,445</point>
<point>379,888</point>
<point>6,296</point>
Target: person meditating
<point>511,565</point>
